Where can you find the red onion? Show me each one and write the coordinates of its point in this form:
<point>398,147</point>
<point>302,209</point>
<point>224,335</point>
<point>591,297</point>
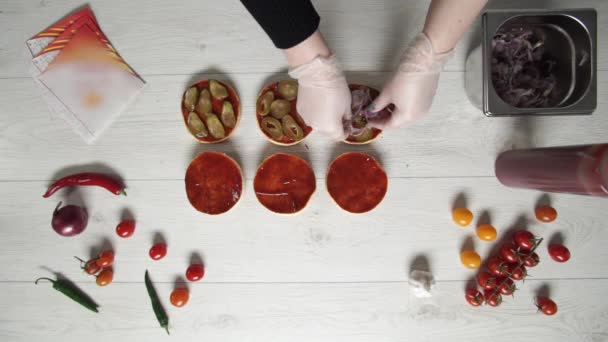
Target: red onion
<point>70,220</point>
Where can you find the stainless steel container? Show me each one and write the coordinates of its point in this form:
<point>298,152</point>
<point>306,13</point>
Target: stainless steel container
<point>571,40</point>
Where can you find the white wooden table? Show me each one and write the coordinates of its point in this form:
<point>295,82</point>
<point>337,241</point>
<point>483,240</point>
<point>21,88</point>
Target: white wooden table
<point>323,275</point>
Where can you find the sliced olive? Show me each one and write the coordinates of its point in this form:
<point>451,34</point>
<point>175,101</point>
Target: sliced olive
<point>204,104</point>
<point>215,126</point>
<point>227,116</point>
<point>280,108</point>
<point>190,98</point>
<point>273,127</point>
<point>264,102</point>
<point>288,89</point>
<point>291,128</point>
<point>218,91</point>
<point>366,134</point>
<point>359,121</point>
<point>196,126</point>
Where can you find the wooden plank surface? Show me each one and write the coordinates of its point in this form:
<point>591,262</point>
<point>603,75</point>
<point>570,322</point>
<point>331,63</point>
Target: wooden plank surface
<point>304,312</point>
<point>322,275</point>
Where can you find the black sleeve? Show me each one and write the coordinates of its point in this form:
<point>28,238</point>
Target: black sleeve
<point>287,22</point>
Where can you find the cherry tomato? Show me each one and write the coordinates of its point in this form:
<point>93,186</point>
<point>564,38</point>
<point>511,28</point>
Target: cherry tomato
<point>470,259</point>
<point>545,213</point>
<point>462,216</point>
<point>125,228</point>
<point>105,259</point>
<point>487,280</point>
<point>179,297</point>
<point>474,297</point>
<point>510,252</point>
<point>507,287</point>
<point>486,232</point>
<point>546,306</point>
<point>158,251</point>
<point>91,267</point>
<point>492,299</point>
<point>524,239</point>
<point>530,260</point>
<point>497,266</point>
<point>105,277</point>
<point>559,253</point>
<point>516,273</point>
<point>195,272</point>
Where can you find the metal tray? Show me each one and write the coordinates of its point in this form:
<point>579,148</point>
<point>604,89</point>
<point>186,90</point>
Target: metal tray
<point>571,40</point>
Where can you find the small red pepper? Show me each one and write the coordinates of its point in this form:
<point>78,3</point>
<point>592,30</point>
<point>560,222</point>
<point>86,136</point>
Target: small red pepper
<point>87,179</point>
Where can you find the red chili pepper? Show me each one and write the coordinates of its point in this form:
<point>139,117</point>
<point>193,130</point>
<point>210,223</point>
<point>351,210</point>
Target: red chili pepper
<point>87,179</point>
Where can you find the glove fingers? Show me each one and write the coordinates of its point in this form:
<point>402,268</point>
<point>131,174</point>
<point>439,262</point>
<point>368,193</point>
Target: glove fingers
<point>383,100</point>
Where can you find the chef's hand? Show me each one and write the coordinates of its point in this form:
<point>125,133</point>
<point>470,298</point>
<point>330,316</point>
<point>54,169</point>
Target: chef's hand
<point>323,96</point>
<point>412,86</point>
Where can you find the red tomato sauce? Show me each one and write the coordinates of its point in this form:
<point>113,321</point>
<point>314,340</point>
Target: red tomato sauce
<point>356,182</point>
<point>214,183</point>
<point>284,183</point>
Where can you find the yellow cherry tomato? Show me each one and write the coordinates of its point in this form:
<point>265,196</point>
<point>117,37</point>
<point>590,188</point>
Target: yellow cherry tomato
<point>470,259</point>
<point>486,232</point>
<point>462,216</point>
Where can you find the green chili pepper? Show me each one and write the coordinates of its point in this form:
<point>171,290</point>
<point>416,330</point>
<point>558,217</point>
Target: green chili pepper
<point>159,311</point>
<point>68,289</point>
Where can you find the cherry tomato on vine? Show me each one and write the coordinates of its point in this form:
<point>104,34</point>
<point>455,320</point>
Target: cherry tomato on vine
<point>486,232</point>
<point>125,228</point>
<point>470,259</point>
<point>507,287</point>
<point>559,253</point>
<point>524,239</point>
<point>105,277</point>
<point>474,297</point>
<point>179,297</point>
<point>105,259</point>
<point>546,306</point>
<point>462,216</point>
<point>531,260</point>
<point>545,213</point>
<point>195,272</point>
<point>492,299</point>
<point>516,273</point>
<point>510,252</point>
<point>91,267</point>
<point>487,280</point>
<point>497,266</point>
<point>158,251</point>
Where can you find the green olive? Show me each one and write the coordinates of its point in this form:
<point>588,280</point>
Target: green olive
<point>196,126</point>
<point>218,91</point>
<point>359,121</point>
<point>263,105</point>
<point>190,97</point>
<point>227,115</point>
<point>273,127</point>
<point>288,89</point>
<point>215,126</point>
<point>291,128</point>
<point>204,104</point>
<point>366,134</point>
<point>280,108</point>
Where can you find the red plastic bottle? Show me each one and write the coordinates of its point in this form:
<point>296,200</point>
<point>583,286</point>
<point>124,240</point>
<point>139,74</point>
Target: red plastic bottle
<point>579,170</point>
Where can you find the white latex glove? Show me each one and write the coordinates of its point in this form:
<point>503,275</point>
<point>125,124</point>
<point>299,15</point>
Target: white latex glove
<point>323,96</point>
<point>412,86</point>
